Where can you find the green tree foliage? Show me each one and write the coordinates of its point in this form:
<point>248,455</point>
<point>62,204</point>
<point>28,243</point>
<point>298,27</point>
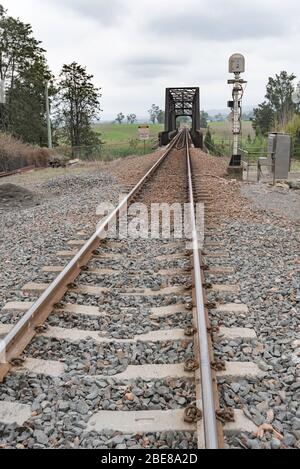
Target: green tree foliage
<point>154,112</point>
<point>131,118</point>
<point>24,70</point>
<point>264,119</point>
<point>219,118</point>
<point>183,120</point>
<point>247,116</point>
<point>279,94</point>
<point>161,117</point>
<point>293,128</point>
<point>77,106</point>
<point>204,120</point>
<point>120,117</point>
<point>279,108</point>
<point>208,141</point>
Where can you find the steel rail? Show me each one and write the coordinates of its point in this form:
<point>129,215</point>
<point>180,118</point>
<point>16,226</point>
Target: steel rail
<point>4,174</point>
<point>14,343</point>
<point>208,403</point>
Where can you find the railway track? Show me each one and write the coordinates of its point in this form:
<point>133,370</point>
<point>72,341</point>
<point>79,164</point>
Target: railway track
<point>4,174</point>
<point>120,339</point>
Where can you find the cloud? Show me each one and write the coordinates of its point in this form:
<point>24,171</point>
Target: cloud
<point>102,11</point>
<point>151,66</point>
<point>224,21</point>
<point>144,60</point>
<point>137,48</point>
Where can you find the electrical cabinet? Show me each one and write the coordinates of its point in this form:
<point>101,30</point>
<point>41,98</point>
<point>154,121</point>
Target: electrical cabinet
<point>279,155</point>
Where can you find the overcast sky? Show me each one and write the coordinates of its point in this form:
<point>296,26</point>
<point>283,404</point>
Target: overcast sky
<point>135,49</point>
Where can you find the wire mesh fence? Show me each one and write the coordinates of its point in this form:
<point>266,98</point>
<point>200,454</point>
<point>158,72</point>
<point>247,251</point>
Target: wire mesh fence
<point>108,151</point>
<point>255,156</point>
<point>257,147</point>
<point>219,147</point>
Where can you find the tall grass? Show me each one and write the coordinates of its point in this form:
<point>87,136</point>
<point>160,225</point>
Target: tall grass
<point>108,151</point>
<point>15,154</point>
<point>293,128</point>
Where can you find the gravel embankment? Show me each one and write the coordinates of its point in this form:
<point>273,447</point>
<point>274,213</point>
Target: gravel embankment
<point>62,407</point>
<point>281,200</point>
<point>49,208</point>
<point>264,251</point>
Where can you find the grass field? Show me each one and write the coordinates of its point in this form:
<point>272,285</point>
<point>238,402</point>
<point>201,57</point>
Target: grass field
<point>222,130</point>
<point>295,168</point>
<point>223,139</point>
<point>118,134</point>
<point>123,140</point>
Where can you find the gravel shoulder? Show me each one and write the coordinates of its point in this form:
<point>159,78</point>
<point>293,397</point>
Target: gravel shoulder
<point>65,201</point>
<point>61,407</point>
<point>262,237</point>
<point>264,250</point>
<point>282,201</point>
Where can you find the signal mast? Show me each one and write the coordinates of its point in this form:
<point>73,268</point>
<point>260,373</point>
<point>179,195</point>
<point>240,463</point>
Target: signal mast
<point>236,66</point>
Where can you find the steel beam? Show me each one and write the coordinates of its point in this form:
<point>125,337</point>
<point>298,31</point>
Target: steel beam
<point>182,101</point>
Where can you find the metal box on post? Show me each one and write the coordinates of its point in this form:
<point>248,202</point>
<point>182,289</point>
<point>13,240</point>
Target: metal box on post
<point>279,155</point>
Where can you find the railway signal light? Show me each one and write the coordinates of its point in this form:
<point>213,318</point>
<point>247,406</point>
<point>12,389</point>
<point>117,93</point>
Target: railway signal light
<point>236,66</point>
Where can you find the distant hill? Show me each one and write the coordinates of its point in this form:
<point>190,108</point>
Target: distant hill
<point>225,111</point>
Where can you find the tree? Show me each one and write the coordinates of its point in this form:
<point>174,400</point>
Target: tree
<point>154,112</point>
<point>24,70</point>
<point>293,128</point>
<point>208,141</point>
<point>279,108</point>
<point>183,120</point>
<point>131,118</point>
<point>161,117</point>
<point>279,94</point>
<point>247,116</point>
<point>77,105</point>
<point>264,119</point>
<point>27,105</point>
<point>204,119</point>
<point>219,117</point>
<point>120,117</point>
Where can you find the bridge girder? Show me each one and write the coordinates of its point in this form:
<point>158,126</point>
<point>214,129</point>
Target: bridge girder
<point>182,102</point>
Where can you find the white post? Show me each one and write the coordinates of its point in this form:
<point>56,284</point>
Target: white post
<point>236,66</point>
<point>2,92</point>
<point>236,117</point>
<point>49,130</point>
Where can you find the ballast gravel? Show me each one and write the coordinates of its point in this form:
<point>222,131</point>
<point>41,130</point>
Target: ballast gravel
<point>263,249</point>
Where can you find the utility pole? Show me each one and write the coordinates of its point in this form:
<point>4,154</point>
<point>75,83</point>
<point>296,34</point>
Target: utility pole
<point>2,92</point>
<point>236,66</point>
<point>49,130</point>
<point>2,104</point>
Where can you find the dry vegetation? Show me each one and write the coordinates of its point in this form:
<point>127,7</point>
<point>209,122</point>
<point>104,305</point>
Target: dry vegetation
<point>15,154</point>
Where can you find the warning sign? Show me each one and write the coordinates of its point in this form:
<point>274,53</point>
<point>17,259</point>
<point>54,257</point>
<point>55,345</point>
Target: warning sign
<point>144,132</point>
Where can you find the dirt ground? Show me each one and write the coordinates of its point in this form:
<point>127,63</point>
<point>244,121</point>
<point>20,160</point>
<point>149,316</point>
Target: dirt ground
<point>250,200</point>
<point>13,196</point>
<point>127,171</point>
<point>22,190</point>
<point>284,202</point>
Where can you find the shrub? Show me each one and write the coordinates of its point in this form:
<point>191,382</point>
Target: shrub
<point>293,128</point>
<point>15,154</point>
